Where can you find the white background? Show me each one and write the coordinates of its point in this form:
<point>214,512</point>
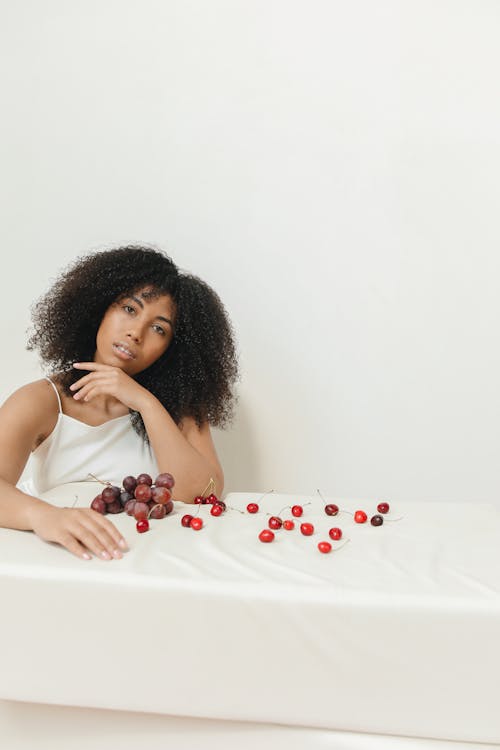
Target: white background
<point>330,168</point>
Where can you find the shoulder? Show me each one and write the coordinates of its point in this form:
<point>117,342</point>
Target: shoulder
<point>33,408</point>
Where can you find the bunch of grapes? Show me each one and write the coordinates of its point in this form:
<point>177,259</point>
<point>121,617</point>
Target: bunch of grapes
<point>139,497</point>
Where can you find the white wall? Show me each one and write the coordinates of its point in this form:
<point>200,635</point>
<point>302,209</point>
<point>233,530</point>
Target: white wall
<point>331,168</point>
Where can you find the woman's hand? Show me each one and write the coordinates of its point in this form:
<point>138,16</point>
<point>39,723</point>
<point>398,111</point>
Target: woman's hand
<point>80,530</point>
<point>112,381</point>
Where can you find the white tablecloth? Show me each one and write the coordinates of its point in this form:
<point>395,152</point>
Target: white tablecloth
<point>397,633</point>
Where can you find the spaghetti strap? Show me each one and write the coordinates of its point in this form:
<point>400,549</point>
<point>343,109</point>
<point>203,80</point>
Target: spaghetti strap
<point>57,394</point>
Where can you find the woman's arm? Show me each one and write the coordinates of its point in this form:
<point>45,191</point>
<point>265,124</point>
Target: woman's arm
<point>26,415</point>
<point>187,452</point>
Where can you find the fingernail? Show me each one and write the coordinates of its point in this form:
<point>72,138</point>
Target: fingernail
<point>123,544</point>
<point>117,554</point>
<point>86,556</point>
<point>105,555</point>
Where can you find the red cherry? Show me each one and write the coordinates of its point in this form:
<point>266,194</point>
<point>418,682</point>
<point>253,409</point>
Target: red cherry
<point>196,523</point>
<point>376,520</point>
<point>335,533</point>
<point>360,516</point>
<point>288,524</point>
<point>307,529</point>
<point>383,507</point>
<point>252,508</point>
<point>198,500</point>
<point>266,535</point>
<point>275,522</point>
<point>142,525</point>
<point>324,547</point>
<point>331,509</point>
<point>216,510</point>
<point>212,499</point>
<point>297,510</point>
<point>221,503</point>
<point>186,520</point>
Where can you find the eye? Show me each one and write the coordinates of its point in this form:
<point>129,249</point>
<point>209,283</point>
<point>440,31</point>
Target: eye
<point>129,308</point>
<point>159,330</point>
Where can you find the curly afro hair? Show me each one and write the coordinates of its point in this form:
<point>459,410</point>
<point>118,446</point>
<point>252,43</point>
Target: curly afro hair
<point>193,378</point>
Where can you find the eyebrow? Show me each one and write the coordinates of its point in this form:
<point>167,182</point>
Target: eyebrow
<point>158,317</point>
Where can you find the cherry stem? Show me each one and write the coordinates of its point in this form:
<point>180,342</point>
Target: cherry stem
<point>211,486</point>
<point>391,520</point>
<point>102,481</point>
<point>265,493</point>
<point>239,511</point>
<point>337,549</point>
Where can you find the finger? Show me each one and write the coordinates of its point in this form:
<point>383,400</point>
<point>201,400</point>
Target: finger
<point>97,541</point>
<point>93,366</point>
<point>108,528</point>
<point>73,545</point>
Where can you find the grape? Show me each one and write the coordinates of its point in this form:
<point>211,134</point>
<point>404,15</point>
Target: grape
<point>141,511</point>
<point>168,507</point>
<point>144,479</point>
<point>110,493</point>
<point>129,506</point>
<point>129,484</point>
<point>125,497</point>
<point>158,511</point>
<point>165,480</point>
<point>114,507</point>
<point>142,492</point>
<point>160,494</point>
<point>98,504</point>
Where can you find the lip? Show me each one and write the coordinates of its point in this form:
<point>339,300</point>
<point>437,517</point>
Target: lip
<point>128,354</point>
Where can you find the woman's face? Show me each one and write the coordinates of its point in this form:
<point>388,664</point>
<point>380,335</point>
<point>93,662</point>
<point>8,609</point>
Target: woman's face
<point>135,331</point>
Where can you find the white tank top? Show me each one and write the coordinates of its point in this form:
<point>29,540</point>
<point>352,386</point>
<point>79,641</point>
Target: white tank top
<point>73,450</point>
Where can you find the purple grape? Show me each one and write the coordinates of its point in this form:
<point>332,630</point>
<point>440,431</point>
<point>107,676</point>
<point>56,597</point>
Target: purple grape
<point>129,484</point>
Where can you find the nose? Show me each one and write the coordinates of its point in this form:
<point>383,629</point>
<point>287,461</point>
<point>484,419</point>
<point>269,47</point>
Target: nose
<point>134,334</point>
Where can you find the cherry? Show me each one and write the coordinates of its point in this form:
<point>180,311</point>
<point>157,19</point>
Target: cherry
<point>266,535</point>
<point>360,516</point>
<point>98,504</point>
<point>335,533</point>
<point>307,529</point>
<point>324,547</point>
<point>252,508</point>
<point>198,500</point>
<point>376,520</point>
<point>142,525</point>
<point>288,524</point>
<point>275,522</point>
<point>212,499</point>
<point>196,523</point>
<point>216,510</point>
<point>383,507</point>
<point>164,480</point>
<point>144,479</point>
<point>143,492</point>
<point>222,504</point>
<point>186,520</point>
<point>297,510</point>
<point>331,509</point>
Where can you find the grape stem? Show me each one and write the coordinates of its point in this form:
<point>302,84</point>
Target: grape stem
<point>102,481</point>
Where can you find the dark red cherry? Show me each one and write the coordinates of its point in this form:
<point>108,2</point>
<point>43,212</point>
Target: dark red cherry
<point>376,520</point>
<point>383,507</point>
<point>331,509</point>
<point>275,522</point>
